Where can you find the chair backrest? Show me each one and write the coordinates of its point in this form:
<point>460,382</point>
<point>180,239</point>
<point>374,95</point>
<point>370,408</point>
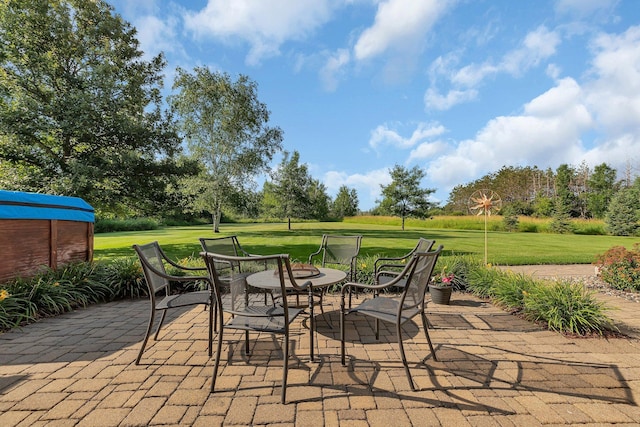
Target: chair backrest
<point>340,249</point>
<point>221,245</point>
<point>278,264</point>
<point>423,245</point>
<point>420,270</point>
<point>151,259</point>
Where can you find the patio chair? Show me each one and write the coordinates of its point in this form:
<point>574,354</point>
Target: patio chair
<point>339,250</point>
<point>386,269</point>
<point>153,260</point>
<point>246,314</point>
<point>396,309</point>
<point>228,245</point>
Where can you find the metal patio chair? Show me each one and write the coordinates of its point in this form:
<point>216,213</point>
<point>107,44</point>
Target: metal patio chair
<point>246,314</point>
<point>396,309</point>
<point>228,245</point>
<point>339,250</point>
<point>386,269</point>
<point>153,260</point>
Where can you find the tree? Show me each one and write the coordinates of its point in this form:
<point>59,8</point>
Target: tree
<point>602,187</point>
<point>290,188</point>
<point>404,197</point>
<point>624,211</point>
<point>346,203</point>
<point>318,200</point>
<point>80,110</point>
<point>225,126</point>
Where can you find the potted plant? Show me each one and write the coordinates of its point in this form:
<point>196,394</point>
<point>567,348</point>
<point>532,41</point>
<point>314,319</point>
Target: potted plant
<point>441,286</point>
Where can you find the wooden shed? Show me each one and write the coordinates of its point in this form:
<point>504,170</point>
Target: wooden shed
<point>39,230</point>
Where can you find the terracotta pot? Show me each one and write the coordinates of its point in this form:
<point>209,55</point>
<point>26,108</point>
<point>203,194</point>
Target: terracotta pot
<point>440,294</point>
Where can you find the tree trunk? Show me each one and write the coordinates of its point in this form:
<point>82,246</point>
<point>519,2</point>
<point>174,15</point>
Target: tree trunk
<point>402,222</point>
<point>216,221</point>
<point>289,222</point>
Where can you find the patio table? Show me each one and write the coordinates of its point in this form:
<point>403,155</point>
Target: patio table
<point>326,277</point>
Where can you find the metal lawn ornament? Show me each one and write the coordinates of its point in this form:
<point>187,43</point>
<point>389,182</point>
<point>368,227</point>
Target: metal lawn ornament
<point>485,202</point>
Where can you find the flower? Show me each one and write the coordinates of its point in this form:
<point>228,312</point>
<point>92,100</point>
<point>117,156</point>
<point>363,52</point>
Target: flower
<point>4,294</point>
<point>443,279</point>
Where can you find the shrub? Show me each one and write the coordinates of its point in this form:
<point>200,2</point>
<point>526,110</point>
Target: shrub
<point>566,307</point>
<point>563,306</point>
<point>510,289</point>
<point>104,225</point>
<point>620,267</point>
<point>482,280</point>
<point>49,293</point>
<point>124,277</point>
<point>14,310</point>
<point>510,222</point>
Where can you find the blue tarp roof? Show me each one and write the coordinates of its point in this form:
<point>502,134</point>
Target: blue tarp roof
<point>20,205</point>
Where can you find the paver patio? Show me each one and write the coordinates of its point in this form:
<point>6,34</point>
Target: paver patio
<point>78,369</point>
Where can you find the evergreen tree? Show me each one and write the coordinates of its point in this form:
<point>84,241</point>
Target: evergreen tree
<point>346,203</point>
<point>624,212</point>
<point>404,197</point>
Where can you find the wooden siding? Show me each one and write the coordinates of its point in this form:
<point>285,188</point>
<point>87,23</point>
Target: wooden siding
<point>28,245</point>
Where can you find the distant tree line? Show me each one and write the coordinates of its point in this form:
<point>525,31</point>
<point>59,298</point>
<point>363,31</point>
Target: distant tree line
<point>568,192</point>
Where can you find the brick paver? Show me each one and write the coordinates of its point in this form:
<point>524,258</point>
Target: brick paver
<point>493,369</point>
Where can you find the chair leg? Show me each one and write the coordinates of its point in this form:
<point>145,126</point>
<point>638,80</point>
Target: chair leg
<point>285,367</point>
<point>377,329</point>
<point>164,313</point>
<point>425,322</point>
<point>146,336</point>
<point>342,356</point>
<point>212,319</point>
<point>218,351</point>
<point>404,358</point>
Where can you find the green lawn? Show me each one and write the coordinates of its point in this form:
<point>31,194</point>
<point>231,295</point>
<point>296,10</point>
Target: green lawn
<point>304,238</point>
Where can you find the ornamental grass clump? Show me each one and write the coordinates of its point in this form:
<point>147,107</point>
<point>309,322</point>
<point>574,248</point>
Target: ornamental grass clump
<point>14,310</point>
<point>482,280</point>
<point>563,306</point>
<point>566,307</point>
<point>510,290</point>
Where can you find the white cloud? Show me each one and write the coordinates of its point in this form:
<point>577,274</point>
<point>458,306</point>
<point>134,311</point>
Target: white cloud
<point>537,46</point>
<point>366,185</point>
<point>582,8</point>
<point>334,69</point>
<point>434,100</point>
<point>426,150</point>
<point>398,23</point>
<point>156,35</point>
<point>614,94</point>
<point>383,135</point>
<point>548,132</point>
<point>264,25</point>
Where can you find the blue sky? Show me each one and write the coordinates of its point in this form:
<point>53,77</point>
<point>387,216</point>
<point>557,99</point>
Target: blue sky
<point>459,88</point>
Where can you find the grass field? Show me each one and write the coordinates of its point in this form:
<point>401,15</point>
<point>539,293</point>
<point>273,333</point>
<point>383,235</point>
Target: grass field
<point>503,248</point>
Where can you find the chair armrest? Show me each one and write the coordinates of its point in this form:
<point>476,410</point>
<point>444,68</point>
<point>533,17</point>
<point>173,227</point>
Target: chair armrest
<point>178,278</point>
<point>386,273</point>
<point>314,254</point>
<point>356,285</point>
<point>377,265</point>
<point>381,267</point>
